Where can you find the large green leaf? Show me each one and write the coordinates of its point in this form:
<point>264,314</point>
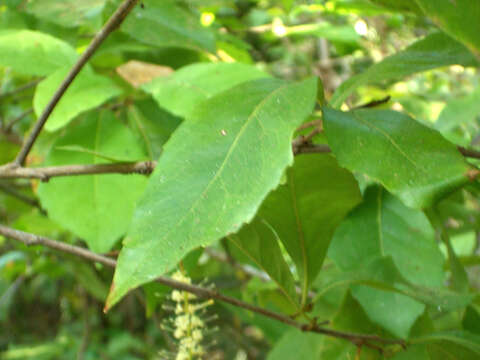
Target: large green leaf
<point>222,163</point>
<point>459,18</point>
<point>259,242</point>
<point>412,161</point>
<point>87,91</point>
<point>164,23</point>
<point>383,226</point>
<point>305,211</point>
<point>181,92</point>
<point>433,51</point>
<point>68,13</point>
<point>34,53</point>
<point>96,208</point>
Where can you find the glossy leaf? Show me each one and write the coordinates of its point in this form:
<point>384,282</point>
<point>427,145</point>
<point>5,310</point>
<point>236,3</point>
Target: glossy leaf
<point>19,47</point>
<point>96,208</point>
<point>67,13</point>
<point>458,18</point>
<point>395,5</point>
<point>412,161</point>
<point>164,23</point>
<point>181,92</point>
<point>306,211</point>
<point>459,344</point>
<point>383,226</point>
<point>87,91</point>
<point>433,51</point>
<point>223,161</point>
<point>259,242</point>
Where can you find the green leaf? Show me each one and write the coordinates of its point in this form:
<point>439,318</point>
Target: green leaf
<point>241,141</point>
<point>258,241</point>
<point>164,23</point>
<point>383,226</point>
<point>68,13</point>
<point>153,126</point>
<point>97,208</point>
<point>34,53</point>
<point>394,312</point>
<point>296,344</point>
<point>381,273</point>
<point>181,92</point>
<point>87,91</point>
<point>306,211</point>
<point>412,161</point>
<point>452,342</point>
<point>458,18</point>
<point>433,51</point>
<point>350,318</point>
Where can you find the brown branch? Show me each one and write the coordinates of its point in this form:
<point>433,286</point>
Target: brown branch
<point>470,153</point>
<point>373,103</point>
<point>45,173</point>
<point>115,20</point>
<point>357,339</point>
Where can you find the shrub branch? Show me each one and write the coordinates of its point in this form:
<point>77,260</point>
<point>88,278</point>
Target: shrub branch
<point>201,292</point>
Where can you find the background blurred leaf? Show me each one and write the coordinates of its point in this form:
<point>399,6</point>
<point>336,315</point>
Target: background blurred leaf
<point>433,51</point>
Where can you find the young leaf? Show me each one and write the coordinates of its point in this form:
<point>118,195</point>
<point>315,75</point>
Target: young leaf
<point>383,226</point>
<point>181,92</point>
<point>305,211</point>
<point>412,161</point>
<point>433,51</point>
<point>214,173</point>
<point>96,208</point>
<point>459,18</point>
<point>165,23</point>
<point>34,53</point>
<point>88,91</point>
<point>258,241</point>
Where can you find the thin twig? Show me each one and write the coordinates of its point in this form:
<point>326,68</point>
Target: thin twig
<point>470,153</point>
<point>310,124</point>
<point>373,103</point>
<point>115,20</point>
<point>20,89</point>
<point>357,339</point>
<point>45,173</point>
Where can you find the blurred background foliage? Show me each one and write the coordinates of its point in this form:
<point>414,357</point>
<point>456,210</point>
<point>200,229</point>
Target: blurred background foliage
<point>51,304</point>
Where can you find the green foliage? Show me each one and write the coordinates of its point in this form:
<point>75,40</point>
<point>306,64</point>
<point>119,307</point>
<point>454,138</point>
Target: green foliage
<point>280,180</point>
